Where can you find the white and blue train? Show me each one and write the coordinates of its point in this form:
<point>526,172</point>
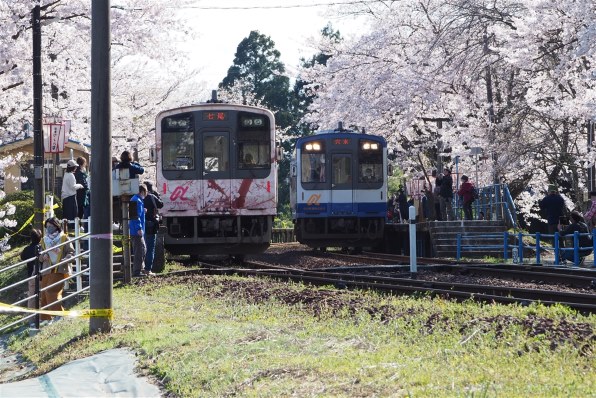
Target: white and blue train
<point>339,189</point>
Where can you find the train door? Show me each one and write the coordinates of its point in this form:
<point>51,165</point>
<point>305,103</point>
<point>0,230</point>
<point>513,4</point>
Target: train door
<point>342,186</point>
<point>216,186</point>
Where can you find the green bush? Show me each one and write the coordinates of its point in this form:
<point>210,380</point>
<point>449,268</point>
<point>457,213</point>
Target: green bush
<point>24,210</point>
<point>17,196</point>
<point>23,202</point>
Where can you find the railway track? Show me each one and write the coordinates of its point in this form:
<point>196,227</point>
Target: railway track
<point>574,277</point>
<point>582,302</point>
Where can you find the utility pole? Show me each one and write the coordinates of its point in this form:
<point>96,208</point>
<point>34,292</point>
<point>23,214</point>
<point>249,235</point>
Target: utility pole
<point>101,256</point>
<point>38,186</point>
<point>491,110</point>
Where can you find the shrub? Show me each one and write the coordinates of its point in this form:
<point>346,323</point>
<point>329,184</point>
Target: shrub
<point>23,202</point>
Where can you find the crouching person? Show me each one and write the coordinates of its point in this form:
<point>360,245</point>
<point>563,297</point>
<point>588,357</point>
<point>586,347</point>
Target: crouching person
<point>53,237</point>
<point>577,224</point>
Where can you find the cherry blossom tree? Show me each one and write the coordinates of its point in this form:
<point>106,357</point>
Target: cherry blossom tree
<point>149,71</point>
<point>513,77</point>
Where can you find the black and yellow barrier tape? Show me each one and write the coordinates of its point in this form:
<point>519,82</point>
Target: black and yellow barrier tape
<point>91,313</point>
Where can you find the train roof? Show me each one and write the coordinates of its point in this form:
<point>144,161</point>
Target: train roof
<point>328,134</point>
<point>212,106</point>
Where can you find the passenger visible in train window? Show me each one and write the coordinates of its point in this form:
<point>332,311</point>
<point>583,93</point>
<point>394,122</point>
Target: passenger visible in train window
<point>368,175</point>
<point>248,161</point>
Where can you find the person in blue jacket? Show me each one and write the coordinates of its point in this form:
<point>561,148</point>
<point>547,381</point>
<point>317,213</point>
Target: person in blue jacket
<point>137,232</point>
<point>134,168</point>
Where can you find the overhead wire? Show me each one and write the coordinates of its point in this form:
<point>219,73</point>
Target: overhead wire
<point>283,6</point>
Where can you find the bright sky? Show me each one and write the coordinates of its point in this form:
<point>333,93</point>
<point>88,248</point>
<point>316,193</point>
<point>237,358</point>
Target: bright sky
<point>290,24</point>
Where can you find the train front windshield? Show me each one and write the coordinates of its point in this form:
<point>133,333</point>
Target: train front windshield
<point>178,142</point>
<point>216,144</point>
<point>342,162</point>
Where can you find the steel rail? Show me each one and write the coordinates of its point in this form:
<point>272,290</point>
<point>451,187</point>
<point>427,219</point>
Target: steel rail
<point>585,303</point>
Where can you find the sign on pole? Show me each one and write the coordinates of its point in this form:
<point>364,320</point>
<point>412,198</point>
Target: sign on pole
<point>55,134</point>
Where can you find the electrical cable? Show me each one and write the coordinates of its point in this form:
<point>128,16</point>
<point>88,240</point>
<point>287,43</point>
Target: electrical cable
<point>283,6</point>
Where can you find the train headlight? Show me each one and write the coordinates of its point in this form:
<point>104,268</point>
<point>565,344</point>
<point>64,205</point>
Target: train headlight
<point>367,146</point>
<point>313,146</point>
<point>255,121</point>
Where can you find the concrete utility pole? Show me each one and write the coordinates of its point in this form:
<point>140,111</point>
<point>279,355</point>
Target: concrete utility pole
<point>38,186</point>
<point>101,163</point>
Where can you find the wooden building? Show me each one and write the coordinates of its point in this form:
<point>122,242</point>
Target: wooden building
<point>24,168</point>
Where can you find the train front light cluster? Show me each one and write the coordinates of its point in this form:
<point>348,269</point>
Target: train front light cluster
<point>370,146</point>
<point>255,121</point>
<point>313,146</point>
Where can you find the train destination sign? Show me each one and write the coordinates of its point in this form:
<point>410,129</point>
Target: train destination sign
<point>215,116</point>
<point>341,141</point>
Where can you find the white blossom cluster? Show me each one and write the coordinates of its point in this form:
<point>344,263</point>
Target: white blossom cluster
<point>423,60</point>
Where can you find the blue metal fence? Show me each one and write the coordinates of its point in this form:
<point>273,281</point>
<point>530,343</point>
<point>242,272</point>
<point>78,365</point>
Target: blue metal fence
<point>502,241</point>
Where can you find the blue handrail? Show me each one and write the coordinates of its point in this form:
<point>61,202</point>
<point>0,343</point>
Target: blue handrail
<point>495,202</point>
<point>520,246</point>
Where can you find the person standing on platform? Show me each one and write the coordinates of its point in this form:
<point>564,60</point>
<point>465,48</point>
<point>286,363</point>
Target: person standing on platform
<point>69,192</point>
<point>466,192</point>
<point>554,207</point>
<point>150,189</point>
<point>590,215</point>
<point>437,195</point>
<point>446,195</point>
<point>402,201</point>
<point>137,232</point>
<point>82,177</point>
<point>54,236</point>
<point>152,203</point>
<point>126,162</point>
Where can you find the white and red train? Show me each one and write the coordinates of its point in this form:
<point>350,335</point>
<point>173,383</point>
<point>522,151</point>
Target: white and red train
<point>217,175</point>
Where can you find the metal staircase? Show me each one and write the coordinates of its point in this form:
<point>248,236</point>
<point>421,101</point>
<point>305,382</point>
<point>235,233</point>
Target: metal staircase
<point>443,235</point>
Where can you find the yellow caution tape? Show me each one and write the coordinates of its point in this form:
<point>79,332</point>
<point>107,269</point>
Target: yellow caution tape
<point>46,208</point>
<point>91,313</point>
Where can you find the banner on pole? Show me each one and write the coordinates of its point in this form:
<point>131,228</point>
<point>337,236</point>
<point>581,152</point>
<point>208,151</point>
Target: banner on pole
<point>55,134</point>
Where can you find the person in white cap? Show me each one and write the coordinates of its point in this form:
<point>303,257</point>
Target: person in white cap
<point>69,191</point>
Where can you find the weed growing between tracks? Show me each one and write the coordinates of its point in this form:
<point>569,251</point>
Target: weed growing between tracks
<point>220,336</point>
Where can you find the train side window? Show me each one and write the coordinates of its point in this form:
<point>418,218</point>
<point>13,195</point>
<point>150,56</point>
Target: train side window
<point>216,153</point>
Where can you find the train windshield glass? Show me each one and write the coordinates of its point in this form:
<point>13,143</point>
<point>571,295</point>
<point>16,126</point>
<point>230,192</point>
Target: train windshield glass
<point>178,142</point>
<point>254,154</point>
<point>370,161</point>
<point>313,162</point>
<point>342,170</point>
<point>216,152</point>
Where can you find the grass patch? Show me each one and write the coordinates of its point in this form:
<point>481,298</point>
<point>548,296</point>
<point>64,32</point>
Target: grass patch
<point>221,336</point>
